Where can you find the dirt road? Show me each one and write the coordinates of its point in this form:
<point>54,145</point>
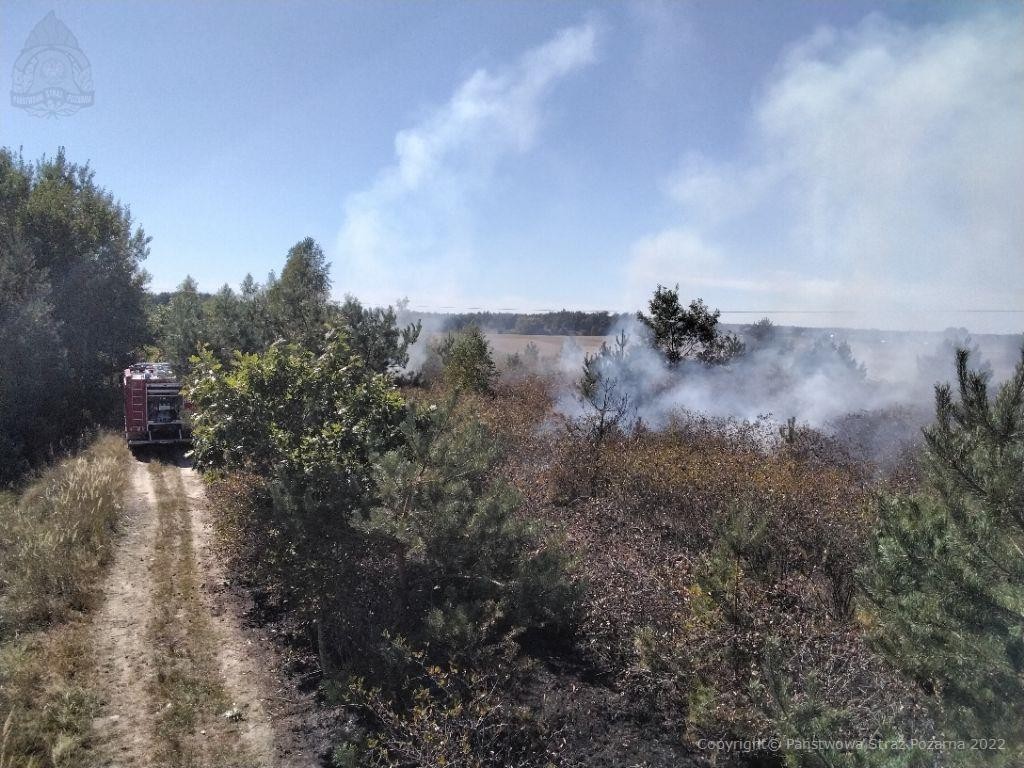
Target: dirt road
<point>182,682</point>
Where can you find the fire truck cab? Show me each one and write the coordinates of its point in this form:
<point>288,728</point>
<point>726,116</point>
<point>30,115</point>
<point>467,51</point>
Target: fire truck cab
<point>154,409</point>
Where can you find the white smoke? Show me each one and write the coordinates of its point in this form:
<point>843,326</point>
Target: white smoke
<point>412,229</point>
<point>882,177</point>
<point>807,374</point>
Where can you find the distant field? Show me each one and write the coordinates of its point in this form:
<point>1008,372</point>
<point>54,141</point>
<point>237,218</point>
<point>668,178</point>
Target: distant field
<point>549,346</point>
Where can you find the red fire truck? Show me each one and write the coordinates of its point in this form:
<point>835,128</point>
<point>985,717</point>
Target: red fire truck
<point>155,412</point>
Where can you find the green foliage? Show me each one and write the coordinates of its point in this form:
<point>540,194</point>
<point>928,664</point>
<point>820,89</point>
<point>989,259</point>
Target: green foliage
<point>821,730</point>
<point>466,360</point>
<point>254,330</point>
<point>180,325</point>
<point>375,336</point>
<point>222,316</point>
<point>606,413</point>
<point>442,557</point>
<point>602,368</point>
<point>484,571</point>
<point>34,369</point>
<point>294,308</point>
<point>740,542</point>
<point>315,420</point>
<point>685,333</point>
<point>90,250</point>
<point>298,301</point>
<point>309,425</point>
<point>947,575</point>
<point>71,305</point>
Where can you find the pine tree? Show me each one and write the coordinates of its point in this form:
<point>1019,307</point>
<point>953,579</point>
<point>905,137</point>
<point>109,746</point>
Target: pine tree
<point>483,570</point>
<point>607,409</point>
<point>255,325</point>
<point>376,337</point>
<point>467,360</point>
<point>181,325</point>
<point>222,320</point>
<point>684,333</point>
<point>298,300</point>
<point>947,577</point>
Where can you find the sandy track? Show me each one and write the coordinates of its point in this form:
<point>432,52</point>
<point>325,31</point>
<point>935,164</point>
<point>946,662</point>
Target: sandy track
<point>247,681</point>
<point>124,660</point>
<point>127,664</point>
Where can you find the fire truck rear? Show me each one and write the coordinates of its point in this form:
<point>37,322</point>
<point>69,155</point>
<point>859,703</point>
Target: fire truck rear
<point>154,409</point>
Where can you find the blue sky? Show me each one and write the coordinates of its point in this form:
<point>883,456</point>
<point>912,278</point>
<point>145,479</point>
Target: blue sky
<point>859,162</point>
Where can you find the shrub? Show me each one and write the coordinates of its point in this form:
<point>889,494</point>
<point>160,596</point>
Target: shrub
<point>946,580</point>
<point>480,571</point>
<point>309,426</point>
<point>713,541</point>
<point>311,421</point>
<point>466,361</point>
<point>446,717</point>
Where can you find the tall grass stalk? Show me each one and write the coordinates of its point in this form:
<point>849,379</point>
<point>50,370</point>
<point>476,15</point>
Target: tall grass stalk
<point>56,535</point>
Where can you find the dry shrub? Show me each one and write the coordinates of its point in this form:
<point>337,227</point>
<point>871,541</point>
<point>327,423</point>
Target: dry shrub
<point>721,559</point>
<point>513,409</point>
<point>816,514</point>
<point>683,483</point>
<point>674,654</point>
<point>447,716</point>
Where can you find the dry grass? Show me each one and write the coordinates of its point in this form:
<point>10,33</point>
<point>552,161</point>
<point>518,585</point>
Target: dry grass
<point>55,539</point>
<point>548,346</point>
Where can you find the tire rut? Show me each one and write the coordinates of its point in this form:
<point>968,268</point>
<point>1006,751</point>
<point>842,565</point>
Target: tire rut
<point>235,727</point>
<point>124,659</point>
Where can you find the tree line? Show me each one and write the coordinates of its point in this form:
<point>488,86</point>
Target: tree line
<point>564,322</point>
<point>72,306</point>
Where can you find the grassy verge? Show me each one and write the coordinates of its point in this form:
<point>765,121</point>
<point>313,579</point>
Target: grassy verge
<point>56,536</point>
<point>190,729</point>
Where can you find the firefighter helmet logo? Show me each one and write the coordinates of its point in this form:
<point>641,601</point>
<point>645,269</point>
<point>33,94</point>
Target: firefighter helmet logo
<point>52,77</point>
